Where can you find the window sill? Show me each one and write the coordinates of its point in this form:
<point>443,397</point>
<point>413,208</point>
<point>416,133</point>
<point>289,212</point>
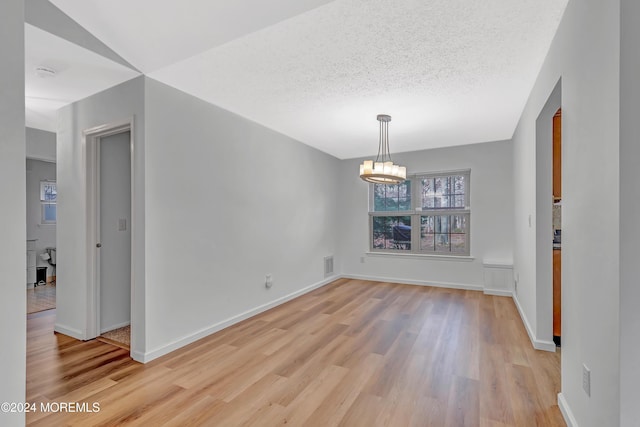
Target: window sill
<point>461,258</point>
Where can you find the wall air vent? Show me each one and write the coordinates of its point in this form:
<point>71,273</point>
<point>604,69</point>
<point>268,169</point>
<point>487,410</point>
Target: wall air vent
<point>328,266</point>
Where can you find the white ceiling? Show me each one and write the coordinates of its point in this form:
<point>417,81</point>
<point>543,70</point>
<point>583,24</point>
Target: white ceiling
<point>80,73</point>
<point>151,34</point>
<point>449,72</point>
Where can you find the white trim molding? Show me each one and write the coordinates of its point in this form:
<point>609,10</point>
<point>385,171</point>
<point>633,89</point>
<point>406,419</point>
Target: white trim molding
<point>66,330</point>
<point>415,282</point>
<point>498,292</point>
<point>537,344</point>
<point>567,414</point>
<point>450,285</point>
<point>434,257</point>
<point>498,277</point>
<point>188,339</point>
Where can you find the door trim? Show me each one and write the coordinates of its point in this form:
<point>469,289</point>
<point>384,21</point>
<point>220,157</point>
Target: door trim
<point>92,139</point>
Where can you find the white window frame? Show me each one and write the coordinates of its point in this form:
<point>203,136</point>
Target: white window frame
<point>43,185</point>
<point>43,219</point>
<point>417,211</point>
<point>44,202</point>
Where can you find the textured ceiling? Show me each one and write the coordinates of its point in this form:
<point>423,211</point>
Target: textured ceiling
<point>449,72</point>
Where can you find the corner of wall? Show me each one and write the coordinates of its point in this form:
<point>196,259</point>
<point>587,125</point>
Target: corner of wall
<point>145,357</point>
<point>537,344</point>
<point>69,331</point>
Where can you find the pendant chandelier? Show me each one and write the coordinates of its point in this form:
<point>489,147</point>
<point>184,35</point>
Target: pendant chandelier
<point>383,171</point>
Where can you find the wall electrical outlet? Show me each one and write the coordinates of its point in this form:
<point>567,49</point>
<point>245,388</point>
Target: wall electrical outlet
<point>268,281</point>
<point>586,379</point>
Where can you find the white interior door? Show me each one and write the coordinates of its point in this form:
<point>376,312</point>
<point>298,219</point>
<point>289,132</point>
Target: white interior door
<point>115,231</point>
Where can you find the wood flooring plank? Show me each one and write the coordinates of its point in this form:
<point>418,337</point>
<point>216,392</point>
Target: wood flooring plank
<point>299,410</point>
<point>463,409</point>
<point>525,400</point>
<point>313,344</point>
<point>333,409</point>
<point>495,402</point>
<point>250,402</point>
<point>393,367</point>
<point>308,373</point>
<point>270,414</point>
<point>199,413</point>
<point>360,413</point>
<point>352,353</point>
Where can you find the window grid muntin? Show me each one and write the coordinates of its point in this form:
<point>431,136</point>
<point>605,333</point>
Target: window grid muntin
<point>403,199</point>
<point>48,191</point>
<point>445,236</point>
<point>393,242</point>
<point>417,212</point>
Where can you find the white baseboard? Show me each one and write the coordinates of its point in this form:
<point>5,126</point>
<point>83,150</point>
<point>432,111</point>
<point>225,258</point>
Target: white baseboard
<point>566,411</point>
<point>112,327</point>
<point>66,330</point>
<point>414,282</point>
<point>498,292</point>
<point>138,356</point>
<point>537,344</point>
<point>188,339</point>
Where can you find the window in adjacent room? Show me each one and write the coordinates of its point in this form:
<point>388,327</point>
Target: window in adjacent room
<point>427,214</point>
<point>48,202</point>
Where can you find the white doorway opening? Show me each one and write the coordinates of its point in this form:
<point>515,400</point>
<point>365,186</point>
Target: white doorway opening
<point>110,229</point>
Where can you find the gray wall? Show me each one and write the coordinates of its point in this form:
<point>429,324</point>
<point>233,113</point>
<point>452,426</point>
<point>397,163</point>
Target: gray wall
<point>119,103</point>
<point>629,209</point>
<point>491,217</point>
<point>228,201</point>
<point>585,55</point>
<point>13,212</point>
<point>45,234</point>
<point>219,202</point>
<point>41,145</point>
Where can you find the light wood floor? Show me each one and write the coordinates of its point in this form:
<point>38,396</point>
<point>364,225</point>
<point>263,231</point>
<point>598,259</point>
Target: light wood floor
<point>352,353</point>
<point>41,298</point>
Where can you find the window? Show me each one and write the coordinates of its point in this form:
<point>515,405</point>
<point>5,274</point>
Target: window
<point>426,214</point>
<point>48,200</point>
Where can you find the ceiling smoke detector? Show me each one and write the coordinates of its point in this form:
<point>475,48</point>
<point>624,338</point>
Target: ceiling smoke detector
<point>45,72</point>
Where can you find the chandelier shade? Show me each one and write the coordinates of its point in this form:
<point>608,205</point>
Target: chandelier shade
<point>383,170</point>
